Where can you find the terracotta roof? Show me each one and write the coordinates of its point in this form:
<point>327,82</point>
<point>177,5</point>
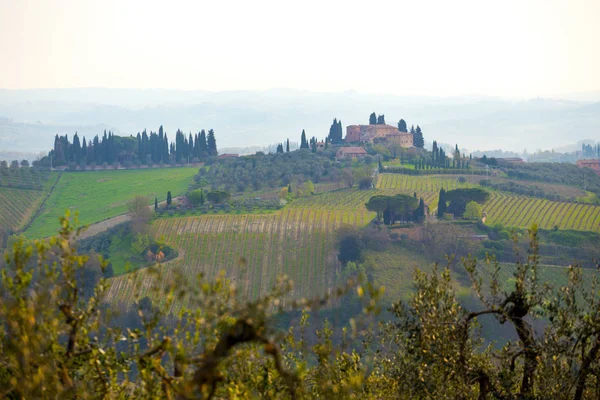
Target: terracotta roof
<point>352,150</point>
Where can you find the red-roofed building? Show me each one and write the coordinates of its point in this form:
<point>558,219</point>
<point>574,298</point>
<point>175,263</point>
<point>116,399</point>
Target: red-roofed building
<point>221,156</point>
<point>350,152</point>
<point>592,164</point>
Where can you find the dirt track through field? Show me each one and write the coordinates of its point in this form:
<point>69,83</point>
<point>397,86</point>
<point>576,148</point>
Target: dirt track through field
<point>99,227</point>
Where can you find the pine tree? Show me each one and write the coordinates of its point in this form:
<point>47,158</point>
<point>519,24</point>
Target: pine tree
<point>169,199</point>
<point>402,126</point>
<point>373,119</point>
<point>412,129</point>
<point>303,141</point>
<point>211,144</point>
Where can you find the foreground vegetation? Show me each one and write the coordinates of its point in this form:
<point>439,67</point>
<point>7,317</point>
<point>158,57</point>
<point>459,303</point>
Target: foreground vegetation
<point>57,340</point>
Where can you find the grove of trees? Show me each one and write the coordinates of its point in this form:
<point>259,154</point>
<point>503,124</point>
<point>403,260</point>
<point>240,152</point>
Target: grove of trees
<point>152,148</point>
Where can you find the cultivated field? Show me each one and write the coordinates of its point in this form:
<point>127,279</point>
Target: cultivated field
<point>427,183</point>
<point>98,195</point>
<point>17,206</point>
<point>24,178</point>
<point>522,211</point>
<point>295,242</point>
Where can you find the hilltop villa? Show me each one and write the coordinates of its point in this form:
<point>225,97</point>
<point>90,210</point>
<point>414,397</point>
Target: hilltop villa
<point>370,133</point>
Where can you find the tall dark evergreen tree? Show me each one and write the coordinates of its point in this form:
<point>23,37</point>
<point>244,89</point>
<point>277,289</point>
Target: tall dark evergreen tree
<point>373,119</point>
<point>279,148</point>
<point>76,149</point>
<point>155,204</point>
<point>202,144</point>
<point>303,141</point>
<point>420,212</point>
<point>84,151</point>
<point>381,120</point>
<point>402,126</point>
<point>418,138</point>
<point>441,203</point>
<point>287,146</point>
<point>169,198</point>
<point>211,143</point>
<point>412,129</point>
<point>335,132</point>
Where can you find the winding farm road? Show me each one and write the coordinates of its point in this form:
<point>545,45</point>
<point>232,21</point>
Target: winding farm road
<point>99,227</point>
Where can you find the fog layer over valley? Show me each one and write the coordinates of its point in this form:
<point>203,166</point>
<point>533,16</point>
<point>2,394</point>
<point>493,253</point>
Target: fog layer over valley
<point>30,118</point>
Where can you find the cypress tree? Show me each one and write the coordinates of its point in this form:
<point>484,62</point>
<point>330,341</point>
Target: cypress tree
<point>290,188</point>
<point>169,199</point>
<point>203,148</point>
<point>155,204</point>
<point>418,138</point>
<point>211,143</point>
<point>287,146</point>
<point>441,203</point>
<point>303,141</point>
<point>84,151</point>
<point>402,126</point>
<point>373,119</point>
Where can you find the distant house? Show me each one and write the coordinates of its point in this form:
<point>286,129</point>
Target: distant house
<point>510,160</point>
<point>228,156</point>
<point>320,146</point>
<point>350,152</point>
<point>592,164</point>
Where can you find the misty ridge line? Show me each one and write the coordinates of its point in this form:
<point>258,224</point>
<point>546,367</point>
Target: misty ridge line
<point>30,118</point>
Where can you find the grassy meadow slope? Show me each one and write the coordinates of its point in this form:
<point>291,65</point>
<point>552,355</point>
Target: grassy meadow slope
<point>98,195</point>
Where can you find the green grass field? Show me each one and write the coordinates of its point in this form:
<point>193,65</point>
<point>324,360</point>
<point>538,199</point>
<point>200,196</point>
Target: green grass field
<point>98,195</point>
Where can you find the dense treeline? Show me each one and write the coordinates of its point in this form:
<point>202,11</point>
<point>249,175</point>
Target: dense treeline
<point>145,149</point>
<point>262,171</point>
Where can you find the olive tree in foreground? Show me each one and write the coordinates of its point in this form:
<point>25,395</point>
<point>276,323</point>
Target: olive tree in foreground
<point>200,339</point>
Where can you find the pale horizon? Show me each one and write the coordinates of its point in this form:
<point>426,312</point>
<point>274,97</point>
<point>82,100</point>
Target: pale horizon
<point>511,49</point>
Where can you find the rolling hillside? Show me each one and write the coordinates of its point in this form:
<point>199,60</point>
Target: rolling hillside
<point>522,212</point>
<point>295,242</point>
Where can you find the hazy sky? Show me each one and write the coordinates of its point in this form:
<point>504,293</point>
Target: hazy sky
<point>506,48</point>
